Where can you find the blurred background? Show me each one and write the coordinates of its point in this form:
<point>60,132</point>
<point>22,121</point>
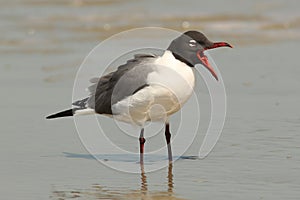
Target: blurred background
<point>44,42</point>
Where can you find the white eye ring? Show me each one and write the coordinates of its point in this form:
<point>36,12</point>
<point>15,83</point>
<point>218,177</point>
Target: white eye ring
<point>192,43</point>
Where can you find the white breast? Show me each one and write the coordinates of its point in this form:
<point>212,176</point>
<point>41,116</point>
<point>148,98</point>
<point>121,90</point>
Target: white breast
<point>174,75</point>
<point>170,86</point>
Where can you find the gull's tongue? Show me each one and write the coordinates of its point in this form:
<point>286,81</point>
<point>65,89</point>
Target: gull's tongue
<point>205,62</point>
<point>204,59</point>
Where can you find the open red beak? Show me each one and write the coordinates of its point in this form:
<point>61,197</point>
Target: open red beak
<point>203,58</point>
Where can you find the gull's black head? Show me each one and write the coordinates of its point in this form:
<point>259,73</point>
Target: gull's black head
<point>190,46</point>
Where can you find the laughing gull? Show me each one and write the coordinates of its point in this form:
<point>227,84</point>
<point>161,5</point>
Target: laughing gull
<point>149,87</point>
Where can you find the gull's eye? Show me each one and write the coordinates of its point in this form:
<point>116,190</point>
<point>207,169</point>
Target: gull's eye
<point>192,43</point>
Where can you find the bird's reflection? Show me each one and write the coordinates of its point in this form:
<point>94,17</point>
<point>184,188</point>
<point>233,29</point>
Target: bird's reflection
<point>170,178</point>
<point>101,192</point>
<point>144,184</point>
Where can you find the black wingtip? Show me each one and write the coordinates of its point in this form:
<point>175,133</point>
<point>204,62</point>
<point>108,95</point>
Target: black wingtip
<point>51,116</point>
<point>65,113</point>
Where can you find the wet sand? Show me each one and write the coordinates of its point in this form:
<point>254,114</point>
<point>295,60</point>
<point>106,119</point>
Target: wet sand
<point>257,157</point>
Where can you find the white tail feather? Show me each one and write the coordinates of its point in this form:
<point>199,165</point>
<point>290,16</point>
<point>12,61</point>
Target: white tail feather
<point>87,111</point>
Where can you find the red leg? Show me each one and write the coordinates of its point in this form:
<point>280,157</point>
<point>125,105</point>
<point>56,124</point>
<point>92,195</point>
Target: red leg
<point>142,142</point>
<point>168,140</point>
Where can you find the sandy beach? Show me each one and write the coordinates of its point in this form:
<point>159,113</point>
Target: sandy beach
<point>43,44</point>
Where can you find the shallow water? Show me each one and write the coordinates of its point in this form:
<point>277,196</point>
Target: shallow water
<point>257,157</point>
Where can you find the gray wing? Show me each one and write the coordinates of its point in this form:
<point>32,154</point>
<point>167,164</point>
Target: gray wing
<point>117,85</point>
